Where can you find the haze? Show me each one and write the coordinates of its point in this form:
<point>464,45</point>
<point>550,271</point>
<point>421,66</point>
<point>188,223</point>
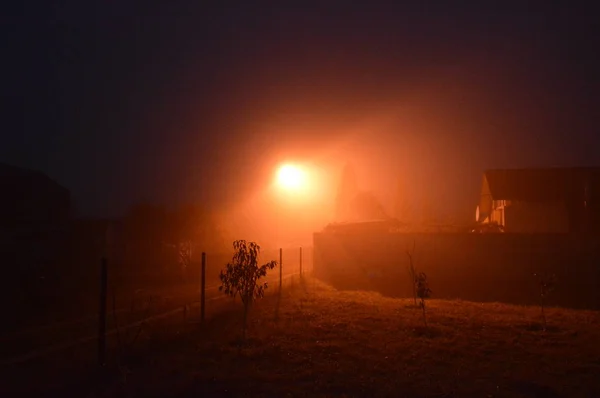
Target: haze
<point>336,199</point>
<point>123,107</point>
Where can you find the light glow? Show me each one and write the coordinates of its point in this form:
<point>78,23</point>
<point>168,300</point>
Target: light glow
<point>291,177</point>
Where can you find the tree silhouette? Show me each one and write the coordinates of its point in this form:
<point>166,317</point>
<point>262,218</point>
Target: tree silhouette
<point>241,276</point>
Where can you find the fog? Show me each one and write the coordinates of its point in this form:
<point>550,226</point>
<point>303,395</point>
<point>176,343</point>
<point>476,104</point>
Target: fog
<point>397,151</point>
<point>388,161</point>
<point>425,143</point>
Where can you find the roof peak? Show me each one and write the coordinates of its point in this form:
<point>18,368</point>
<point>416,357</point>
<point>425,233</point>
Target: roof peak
<point>552,168</point>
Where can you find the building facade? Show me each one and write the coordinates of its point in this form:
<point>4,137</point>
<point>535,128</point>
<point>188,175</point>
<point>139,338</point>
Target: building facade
<point>552,200</point>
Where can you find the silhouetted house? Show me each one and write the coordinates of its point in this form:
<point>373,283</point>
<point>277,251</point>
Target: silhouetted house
<point>382,226</point>
<point>552,200</point>
<point>31,198</point>
<point>34,218</point>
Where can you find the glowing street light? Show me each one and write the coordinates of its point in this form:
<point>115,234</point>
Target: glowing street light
<point>291,185</point>
<point>291,177</point>
<point>298,197</point>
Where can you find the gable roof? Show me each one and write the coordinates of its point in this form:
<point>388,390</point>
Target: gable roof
<point>30,195</point>
<point>542,185</point>
<point>12,177</point>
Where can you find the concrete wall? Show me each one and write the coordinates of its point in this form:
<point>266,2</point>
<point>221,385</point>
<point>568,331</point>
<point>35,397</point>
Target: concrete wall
<point>478,267</point>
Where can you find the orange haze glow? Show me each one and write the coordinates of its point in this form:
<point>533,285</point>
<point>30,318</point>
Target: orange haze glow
<point>291,177</point>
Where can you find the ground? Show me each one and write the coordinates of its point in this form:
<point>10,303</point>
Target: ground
<point>317,341</point>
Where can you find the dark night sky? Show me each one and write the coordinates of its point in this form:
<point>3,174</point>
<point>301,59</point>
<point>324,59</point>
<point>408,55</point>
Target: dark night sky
<point>122,102</point>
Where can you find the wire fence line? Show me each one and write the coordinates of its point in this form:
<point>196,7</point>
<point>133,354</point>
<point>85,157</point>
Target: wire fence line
<point>184,303</point>
<point>93,337</point>
<point>93,317</point>
<point>71,322</point>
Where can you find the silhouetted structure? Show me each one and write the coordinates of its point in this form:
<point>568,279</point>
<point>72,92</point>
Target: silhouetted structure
<point>30,197</point>
<point>388,225</point>
<point>467,266</point>
<point>541,200</point>
<point>34,217</point>
<point>355,205</point>
<point>347,190</point>
<point>34,238</point>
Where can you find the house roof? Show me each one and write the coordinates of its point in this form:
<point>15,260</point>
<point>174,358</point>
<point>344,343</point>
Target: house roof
<point>12,177</point>
<point>542,185</point>
<point>29,194</point>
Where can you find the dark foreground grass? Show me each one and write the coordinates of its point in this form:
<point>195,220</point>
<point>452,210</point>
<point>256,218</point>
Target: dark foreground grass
<point>329,343</point>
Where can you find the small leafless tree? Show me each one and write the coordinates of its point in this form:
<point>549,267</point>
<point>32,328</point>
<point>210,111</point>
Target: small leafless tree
<point>423,292</point>
<point>185,249</point>
<point>412,270</point>
<point>546,284</point>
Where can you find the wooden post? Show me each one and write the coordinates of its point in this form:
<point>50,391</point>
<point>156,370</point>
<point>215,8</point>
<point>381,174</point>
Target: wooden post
<point>280,269</point>
<point>203,287</point>
<point>102,312</point>
<point>300,262</point>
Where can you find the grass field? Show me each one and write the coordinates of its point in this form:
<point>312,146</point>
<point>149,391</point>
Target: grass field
<point>322,342</point>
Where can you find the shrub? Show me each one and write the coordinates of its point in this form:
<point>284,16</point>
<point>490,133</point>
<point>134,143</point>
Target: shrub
<point>241,276</point>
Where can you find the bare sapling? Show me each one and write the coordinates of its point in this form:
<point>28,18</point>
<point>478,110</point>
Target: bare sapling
<point>412,270</point>
<point>185,250</point>
<point>423,291</point>
<point>546,285</point>
<point>241,276</point>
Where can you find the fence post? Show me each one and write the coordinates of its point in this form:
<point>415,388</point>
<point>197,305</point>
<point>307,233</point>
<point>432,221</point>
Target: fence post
<point>300,262</point>
<point>102,312</point>
<point>280,269</point>
<point>203,287</point>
